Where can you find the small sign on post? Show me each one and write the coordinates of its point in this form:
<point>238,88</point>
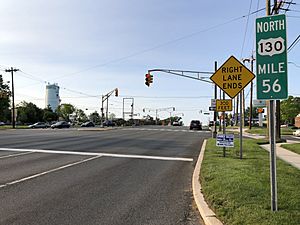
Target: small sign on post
<point>223,105</point>
<point>225,140</point>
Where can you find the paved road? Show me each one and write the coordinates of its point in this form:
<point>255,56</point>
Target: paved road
<point>124,176</point>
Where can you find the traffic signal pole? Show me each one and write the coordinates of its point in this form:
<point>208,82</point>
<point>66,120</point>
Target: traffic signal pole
<point>105,98</point>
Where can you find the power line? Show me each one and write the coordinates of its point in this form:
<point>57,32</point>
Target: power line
<point>295,42</point>
<point>245,34</point>
<point>159,45</point>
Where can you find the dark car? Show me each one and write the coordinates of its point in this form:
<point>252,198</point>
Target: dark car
<point>195,124</point>
<point>61,124</point>
<point>88,124</point>
<point>39,125</point>
<point>108,123</point>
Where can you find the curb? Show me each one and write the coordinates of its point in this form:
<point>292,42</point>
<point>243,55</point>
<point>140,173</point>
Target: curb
<point>206,213</point>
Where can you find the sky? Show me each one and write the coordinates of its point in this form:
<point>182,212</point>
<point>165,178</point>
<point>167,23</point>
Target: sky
<point>91,47</point>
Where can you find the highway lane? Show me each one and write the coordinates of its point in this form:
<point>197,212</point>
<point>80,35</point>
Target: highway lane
<point>78,188</point>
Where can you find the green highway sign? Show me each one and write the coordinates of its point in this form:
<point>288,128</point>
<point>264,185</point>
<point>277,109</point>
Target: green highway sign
<point>271,57</point>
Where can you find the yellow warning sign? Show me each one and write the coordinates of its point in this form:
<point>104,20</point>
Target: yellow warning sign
<point>232,77</point>
<point>223,105</point>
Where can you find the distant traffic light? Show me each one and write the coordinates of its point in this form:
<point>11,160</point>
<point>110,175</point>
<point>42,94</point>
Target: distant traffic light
<point>116,92</point>
<point>148,79</point>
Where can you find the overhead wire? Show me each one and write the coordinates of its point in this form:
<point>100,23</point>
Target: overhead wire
<point>246,29</point>
<point>159,45</point>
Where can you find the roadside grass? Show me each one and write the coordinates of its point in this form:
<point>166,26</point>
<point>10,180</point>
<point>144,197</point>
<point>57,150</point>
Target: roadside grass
<point>17,127</point>
<point>292,147</point>
<point>263,131</point>
<point>258,130</point>
<point>239,190</point>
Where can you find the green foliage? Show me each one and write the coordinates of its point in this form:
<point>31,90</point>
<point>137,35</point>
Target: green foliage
<point>95,117</point>
<point>80,116</point>
<point>239,190</point>
<point>29,113</point>
<point>65,110</point>
<point>49,115</point>
<point>5,93</point>
<point>289,109</point>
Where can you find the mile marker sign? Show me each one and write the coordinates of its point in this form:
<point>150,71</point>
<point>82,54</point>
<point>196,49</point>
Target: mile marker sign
<point>271,57</point>
<point>232,77</point>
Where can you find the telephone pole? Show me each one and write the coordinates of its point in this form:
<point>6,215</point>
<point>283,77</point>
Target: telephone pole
<point>12,70</point>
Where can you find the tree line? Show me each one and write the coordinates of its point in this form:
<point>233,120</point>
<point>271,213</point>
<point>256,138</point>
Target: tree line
<point>28,112</point>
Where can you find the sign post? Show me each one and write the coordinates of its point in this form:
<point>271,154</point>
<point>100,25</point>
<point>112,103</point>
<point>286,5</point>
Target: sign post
<point>271,67</point>
<point>232,77</point>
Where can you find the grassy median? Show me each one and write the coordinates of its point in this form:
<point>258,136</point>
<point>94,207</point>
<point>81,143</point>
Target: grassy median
<point>239,190</point>
<point>292,147</point>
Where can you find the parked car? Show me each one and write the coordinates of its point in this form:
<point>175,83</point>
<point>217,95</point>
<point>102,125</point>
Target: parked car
<point>60,124</point>
<point>176,123</point>
<point>88,124</point>
<point>39,125</point>
<point>108,123</point>
<point>296,133</point>
<point>195,124</point>
<point>2,123</point>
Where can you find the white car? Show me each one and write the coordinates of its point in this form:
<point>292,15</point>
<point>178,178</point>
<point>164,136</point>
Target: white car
<point>297,133</point>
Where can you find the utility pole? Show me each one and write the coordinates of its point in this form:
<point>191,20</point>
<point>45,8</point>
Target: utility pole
<point>12,70</point>
<point>251,60</point>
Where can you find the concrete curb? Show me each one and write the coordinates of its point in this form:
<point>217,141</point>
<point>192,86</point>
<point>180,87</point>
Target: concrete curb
<point>206,213</point>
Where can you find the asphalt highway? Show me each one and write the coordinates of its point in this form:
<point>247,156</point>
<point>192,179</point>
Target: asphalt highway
<point>129,176</point>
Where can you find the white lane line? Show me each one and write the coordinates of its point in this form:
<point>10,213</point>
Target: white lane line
<point>148,157</point>
<point>49,171</point>
<point>100,154</point>
<point>14,155</point>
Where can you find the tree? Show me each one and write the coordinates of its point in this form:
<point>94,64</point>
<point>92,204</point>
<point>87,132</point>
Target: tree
<point>95,117</point>
<point>49,115</point>
<point>5,93</point>
<point>80,116</point>
<point>29,113</point>
<point>65,110</point>
<point>112,116</point>
<point>289,109</point>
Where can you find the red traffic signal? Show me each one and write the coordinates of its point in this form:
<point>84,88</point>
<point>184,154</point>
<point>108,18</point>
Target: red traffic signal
<point>147,79</point>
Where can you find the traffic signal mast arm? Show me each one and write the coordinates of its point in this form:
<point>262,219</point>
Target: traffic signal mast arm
<point>105,97</point>
<point>183,73</point>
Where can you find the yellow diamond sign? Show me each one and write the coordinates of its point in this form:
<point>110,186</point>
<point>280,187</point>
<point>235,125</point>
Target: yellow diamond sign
<point>232,77</point>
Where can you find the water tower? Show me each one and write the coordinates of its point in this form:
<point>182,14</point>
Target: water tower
<point>52,96</point>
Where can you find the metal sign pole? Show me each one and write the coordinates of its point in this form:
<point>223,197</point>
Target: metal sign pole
<point>224,127</point>
<point>241,126</point>
<point>272,156</point>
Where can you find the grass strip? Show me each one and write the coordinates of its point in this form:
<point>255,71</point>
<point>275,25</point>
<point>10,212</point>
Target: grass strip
<point>292,147</point>
<point>263,131</point>
<point>239,190</point>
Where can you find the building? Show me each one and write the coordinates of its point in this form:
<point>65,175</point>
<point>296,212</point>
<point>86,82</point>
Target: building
<point>52,96</point>
<point>297,121</point>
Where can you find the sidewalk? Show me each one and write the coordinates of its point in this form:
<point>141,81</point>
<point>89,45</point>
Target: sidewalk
<point>286,155</point>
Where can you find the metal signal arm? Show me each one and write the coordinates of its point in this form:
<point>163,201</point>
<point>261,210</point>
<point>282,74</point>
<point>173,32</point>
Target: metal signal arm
<point>185,73</point>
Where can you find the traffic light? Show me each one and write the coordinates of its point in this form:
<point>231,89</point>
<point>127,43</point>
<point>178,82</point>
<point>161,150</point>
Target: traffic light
<point>116,92</point>
<point>148,79</point>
